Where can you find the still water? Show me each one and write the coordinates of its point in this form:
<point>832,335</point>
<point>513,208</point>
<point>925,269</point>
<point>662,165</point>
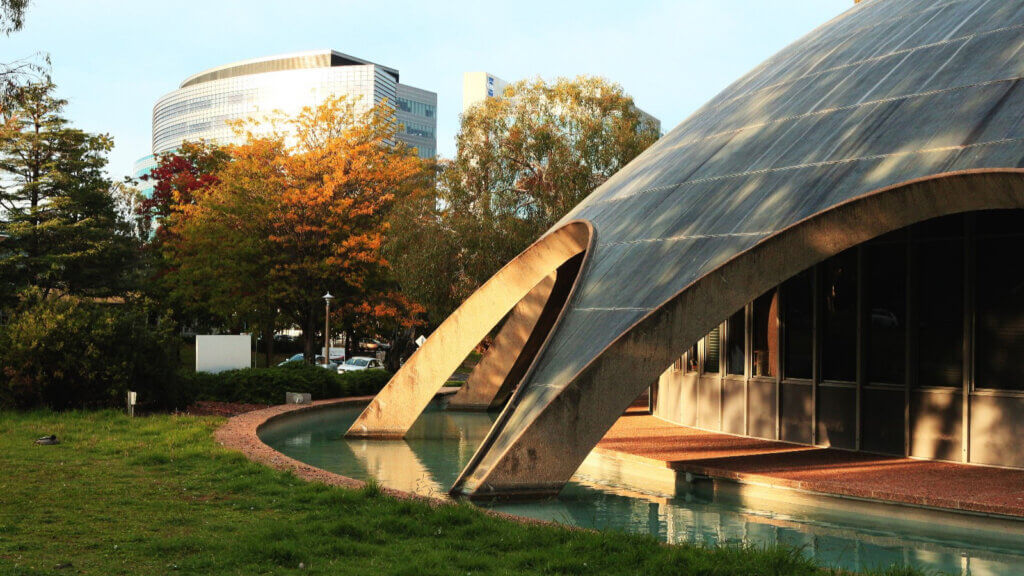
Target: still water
<point>850,536</point>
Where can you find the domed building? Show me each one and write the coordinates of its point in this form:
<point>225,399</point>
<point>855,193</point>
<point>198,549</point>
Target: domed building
<point>828,253</point>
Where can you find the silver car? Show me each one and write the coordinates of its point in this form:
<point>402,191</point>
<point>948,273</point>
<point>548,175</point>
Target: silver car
<point>360,363</point>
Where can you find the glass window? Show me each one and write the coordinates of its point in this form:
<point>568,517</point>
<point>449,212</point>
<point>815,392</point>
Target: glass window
<point>691,359</point>
<point>766,334</point>
<point>711,357</point>
<point>839,317</point>
<point>886,301</point>
<point>940,302</point>
<point>737,341</point>
<point>999,348</point>
<point>798,315</point>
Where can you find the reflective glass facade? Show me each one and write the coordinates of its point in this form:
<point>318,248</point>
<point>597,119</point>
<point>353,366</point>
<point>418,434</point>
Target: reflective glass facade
<point>143,166</point>
<point>206,102</point>
<point>416,111</point>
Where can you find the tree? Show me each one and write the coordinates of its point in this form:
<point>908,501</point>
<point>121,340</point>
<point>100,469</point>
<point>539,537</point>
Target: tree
<point>217,240</point>
<point>290,218</point>
<point>64,233</point>
<point>72,352</point>
<point>178,176</point>
<point>77,334</point>
<point>522,162</point>
<point>12,15</point>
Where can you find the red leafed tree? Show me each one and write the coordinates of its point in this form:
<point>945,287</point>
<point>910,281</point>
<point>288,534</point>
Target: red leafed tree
<point>178,176</point>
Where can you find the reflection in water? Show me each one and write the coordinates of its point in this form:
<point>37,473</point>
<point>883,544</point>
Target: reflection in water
<point>441,443</point>
<point>377,458</point>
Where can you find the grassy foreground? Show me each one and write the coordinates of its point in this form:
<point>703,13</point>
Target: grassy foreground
<point>158,496</point>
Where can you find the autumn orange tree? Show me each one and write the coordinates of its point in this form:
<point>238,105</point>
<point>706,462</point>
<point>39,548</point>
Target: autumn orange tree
<point>297,212</point>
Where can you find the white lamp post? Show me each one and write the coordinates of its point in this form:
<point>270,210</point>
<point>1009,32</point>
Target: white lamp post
<point>327,329</point>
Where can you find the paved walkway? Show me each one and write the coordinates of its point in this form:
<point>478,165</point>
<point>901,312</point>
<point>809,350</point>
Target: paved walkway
<point>928,483</point>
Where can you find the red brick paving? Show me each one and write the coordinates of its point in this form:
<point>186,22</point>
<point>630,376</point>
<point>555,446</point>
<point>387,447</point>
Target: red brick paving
<point>888,478</point>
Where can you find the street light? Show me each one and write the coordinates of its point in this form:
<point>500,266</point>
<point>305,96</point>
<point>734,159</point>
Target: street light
<point>327,329</point>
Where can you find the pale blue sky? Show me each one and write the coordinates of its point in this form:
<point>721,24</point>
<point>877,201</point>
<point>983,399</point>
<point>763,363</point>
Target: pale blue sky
<point>113,58</point>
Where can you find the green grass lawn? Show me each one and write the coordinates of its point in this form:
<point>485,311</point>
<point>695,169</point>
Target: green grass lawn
<point>156,495</point>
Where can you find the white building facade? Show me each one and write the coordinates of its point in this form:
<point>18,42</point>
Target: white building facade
<point>204,104</point>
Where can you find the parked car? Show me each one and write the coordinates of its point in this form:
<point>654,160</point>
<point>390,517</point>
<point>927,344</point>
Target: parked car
<point>319,361</point>
<point>372,345</point>
<point>296,358</point>
<point>360,363</point>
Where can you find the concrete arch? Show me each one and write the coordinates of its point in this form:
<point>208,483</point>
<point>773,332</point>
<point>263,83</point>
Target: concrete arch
<point>518,342</point>
<point>488,384</point>
<point>544,434</point>
<point>397,406</point>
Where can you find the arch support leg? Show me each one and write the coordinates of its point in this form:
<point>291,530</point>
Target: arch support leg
<point>397,406</point>
<point>492,380</point>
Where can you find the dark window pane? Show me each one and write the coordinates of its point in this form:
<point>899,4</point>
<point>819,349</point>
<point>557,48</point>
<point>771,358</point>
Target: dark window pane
<point>839,317</point>
<point>737,333</point>
<point>799,324</point>
<point>766,334</point>
<point>940,313</point>
<point>711,342</point>
<point>1000,297</point>
<point>886,301</point>
<point>691,359</point>
<point>1000,223</point>
<point>947,227</point>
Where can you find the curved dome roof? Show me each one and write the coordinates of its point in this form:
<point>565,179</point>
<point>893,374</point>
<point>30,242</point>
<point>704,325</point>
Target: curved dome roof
<point>890,91</point>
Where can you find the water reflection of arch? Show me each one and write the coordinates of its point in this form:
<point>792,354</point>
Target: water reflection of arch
<point>394,464</point>
<point>553,428</point>
<point>395,408</point>
<point>464,430</point>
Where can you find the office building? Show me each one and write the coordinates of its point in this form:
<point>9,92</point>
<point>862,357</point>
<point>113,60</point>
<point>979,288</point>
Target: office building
<point>204,104</point>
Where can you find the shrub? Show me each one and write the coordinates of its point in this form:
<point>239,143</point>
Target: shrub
<point>68,352</point>
<point>268,385</point>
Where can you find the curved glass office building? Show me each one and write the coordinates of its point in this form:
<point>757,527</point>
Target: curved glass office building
<point>204,103</point>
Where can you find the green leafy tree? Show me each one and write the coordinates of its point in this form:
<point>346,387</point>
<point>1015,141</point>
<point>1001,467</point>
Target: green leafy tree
<point>59,217</point>
<point>71,352</point>
<point>522,162</point>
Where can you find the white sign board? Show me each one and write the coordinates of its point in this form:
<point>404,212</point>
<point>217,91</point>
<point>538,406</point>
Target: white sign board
<point>420,341</point>
<point>220,353</point>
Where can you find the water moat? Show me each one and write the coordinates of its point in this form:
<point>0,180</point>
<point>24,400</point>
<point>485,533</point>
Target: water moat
<point>843,534</point>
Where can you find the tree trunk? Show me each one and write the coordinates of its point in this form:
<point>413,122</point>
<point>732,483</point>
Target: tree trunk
<point>268,343</point>
<point>350,349</point>
<point>400,350</point>
<point>309,335</point>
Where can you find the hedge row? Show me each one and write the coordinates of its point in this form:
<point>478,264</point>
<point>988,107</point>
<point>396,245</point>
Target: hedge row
<point>269,385</point>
